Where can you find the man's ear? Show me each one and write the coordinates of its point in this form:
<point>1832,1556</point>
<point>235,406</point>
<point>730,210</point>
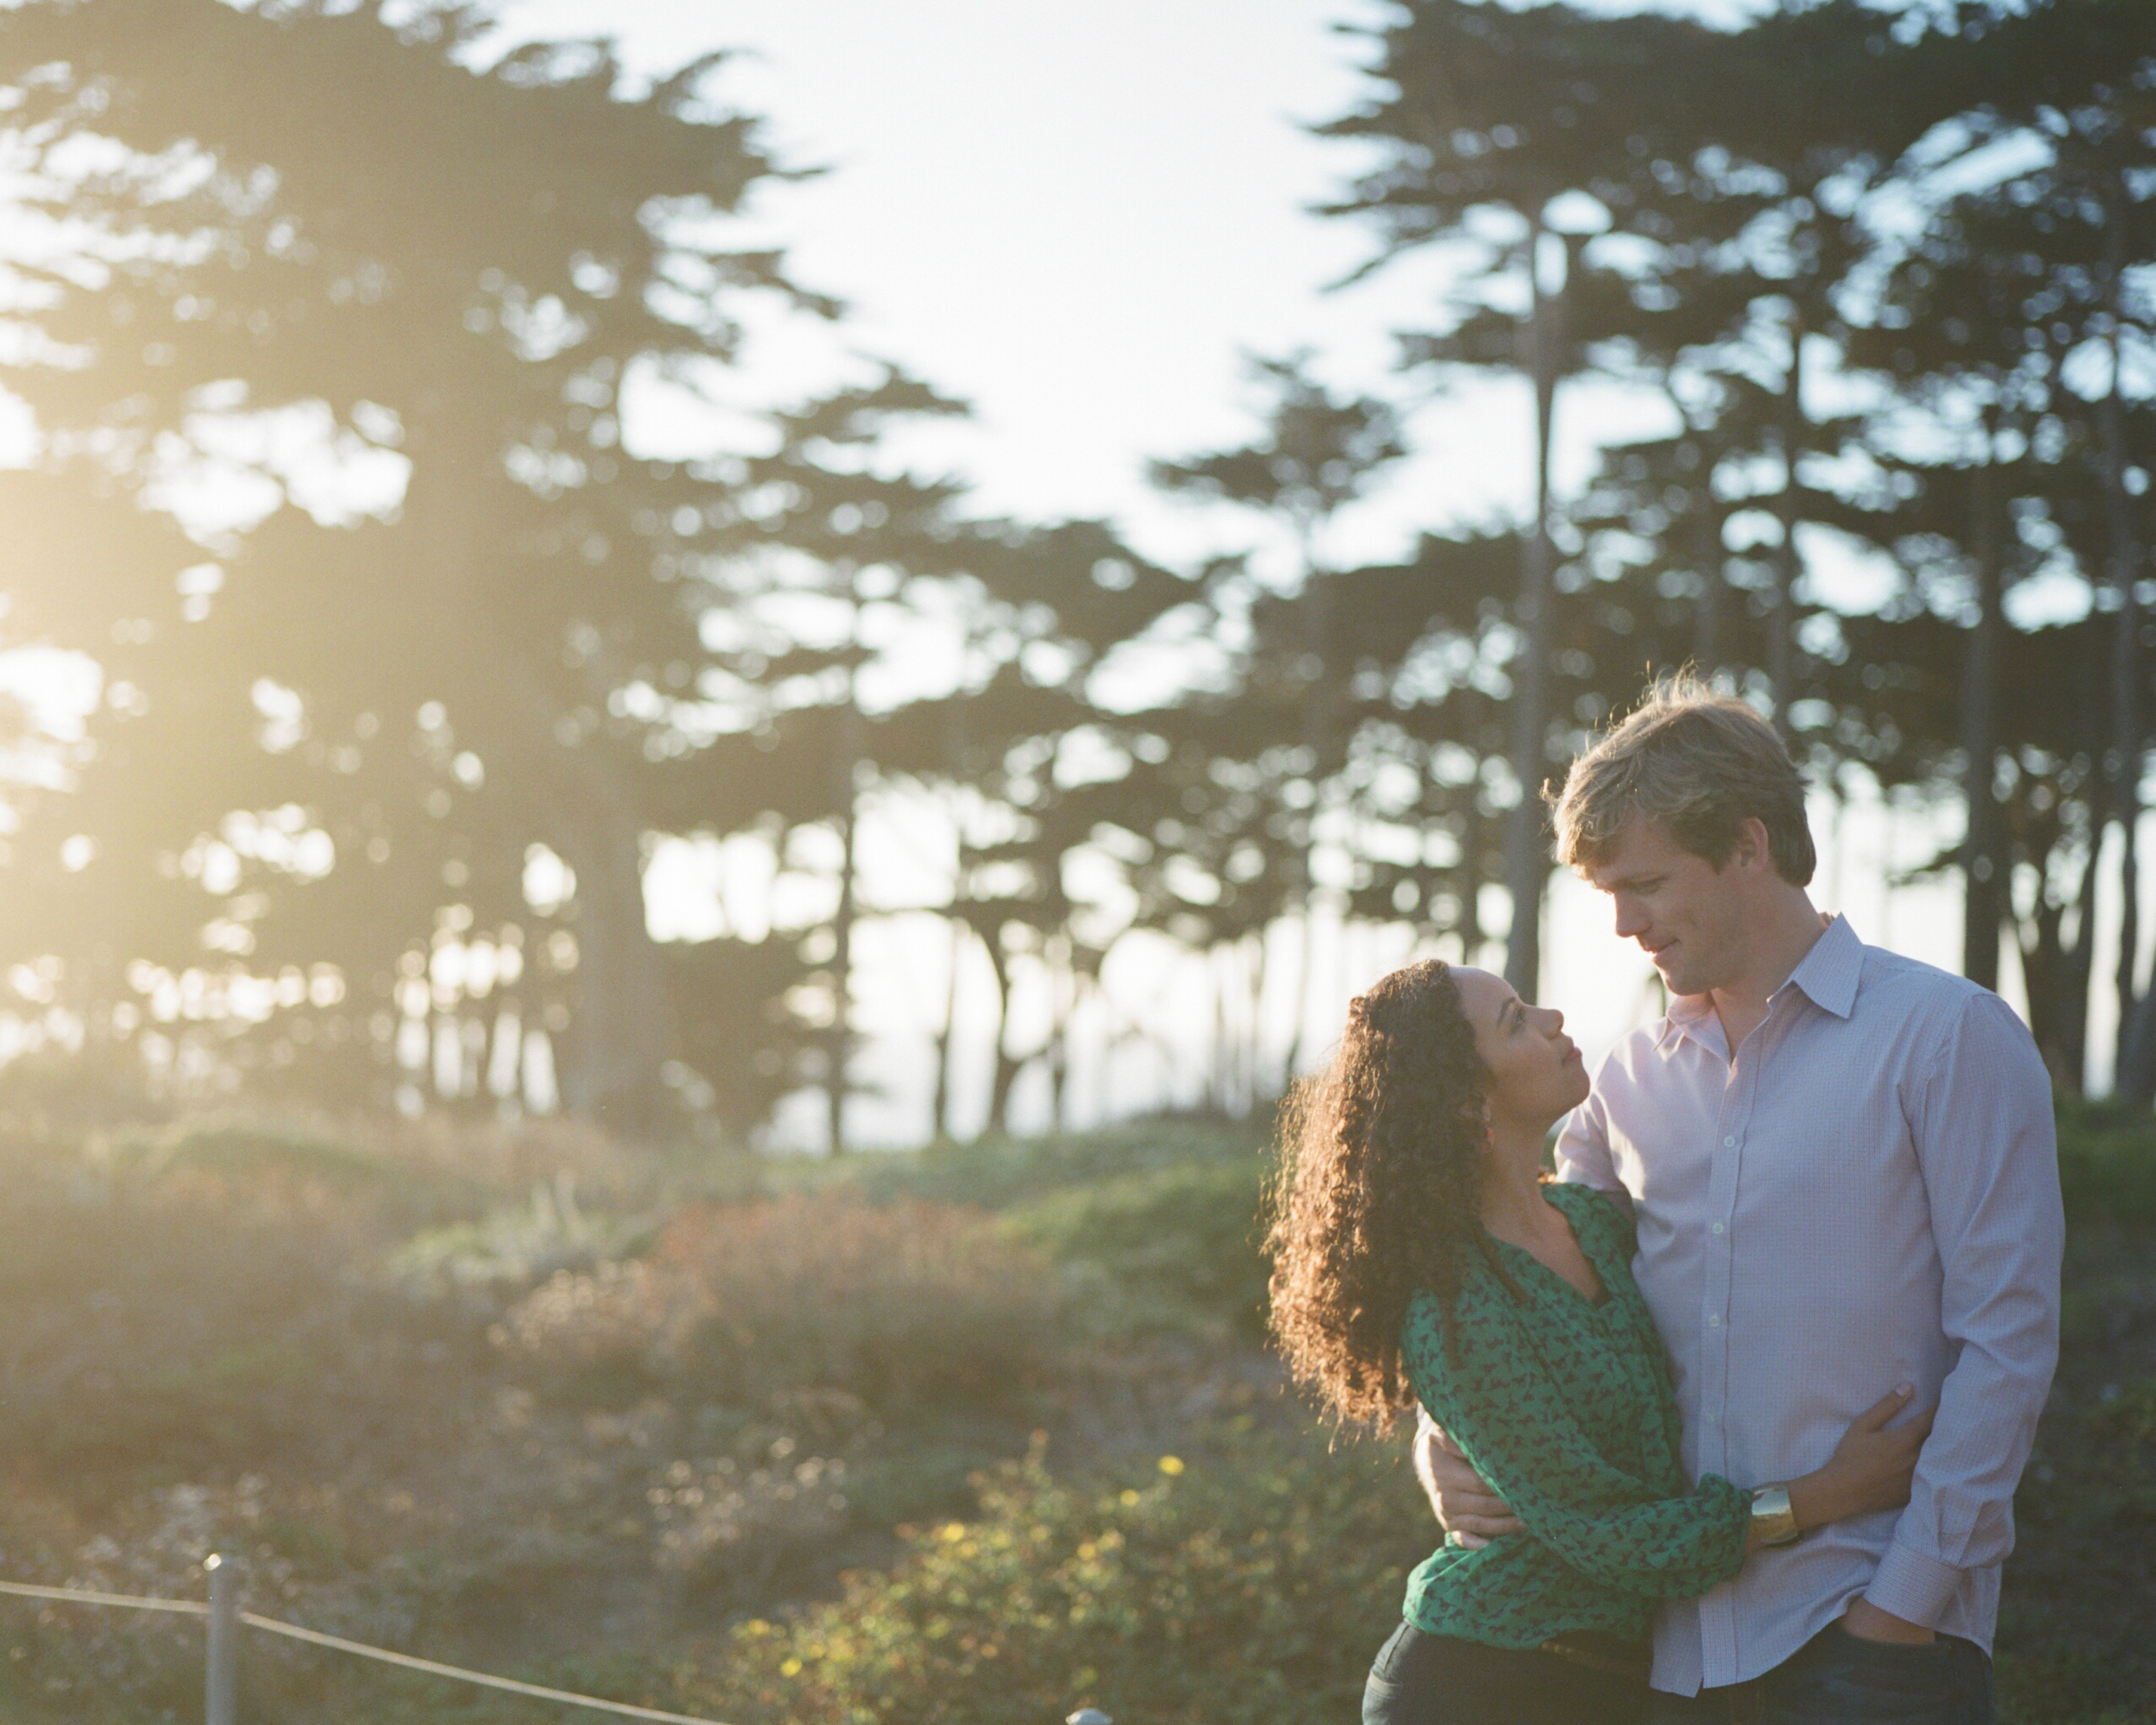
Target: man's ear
<point>1754,850</point>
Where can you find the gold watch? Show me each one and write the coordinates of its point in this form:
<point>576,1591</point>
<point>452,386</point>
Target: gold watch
<point>1773,1519</point>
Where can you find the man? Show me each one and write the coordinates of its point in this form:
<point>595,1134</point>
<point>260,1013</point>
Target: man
<point>1843,1166</point>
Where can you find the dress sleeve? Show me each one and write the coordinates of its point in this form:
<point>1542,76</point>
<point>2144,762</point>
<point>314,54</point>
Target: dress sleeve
<point>1515,1429</point>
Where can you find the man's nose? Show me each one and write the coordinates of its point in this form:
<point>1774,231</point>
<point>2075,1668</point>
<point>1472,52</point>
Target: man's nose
<point>1630,921</point>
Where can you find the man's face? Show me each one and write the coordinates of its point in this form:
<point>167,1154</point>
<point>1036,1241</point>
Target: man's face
<point>1686,914</point>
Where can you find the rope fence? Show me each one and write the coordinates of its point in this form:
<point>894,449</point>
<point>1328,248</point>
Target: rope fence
<point>222,1681</point>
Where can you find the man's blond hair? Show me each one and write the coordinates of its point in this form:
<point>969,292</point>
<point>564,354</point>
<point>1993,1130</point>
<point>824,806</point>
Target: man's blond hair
<point>1697,764</point>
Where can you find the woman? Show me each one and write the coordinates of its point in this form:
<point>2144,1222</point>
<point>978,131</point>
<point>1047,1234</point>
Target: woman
<point>1419,1253</point>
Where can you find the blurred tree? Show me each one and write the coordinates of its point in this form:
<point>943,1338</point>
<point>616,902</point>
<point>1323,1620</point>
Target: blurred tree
<point>1507,135</point>
<point>393,252</point>
<point>1315,455</point>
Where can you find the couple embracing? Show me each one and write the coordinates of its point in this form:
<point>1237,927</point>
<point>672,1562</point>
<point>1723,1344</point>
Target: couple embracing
<point>1725,1421</point>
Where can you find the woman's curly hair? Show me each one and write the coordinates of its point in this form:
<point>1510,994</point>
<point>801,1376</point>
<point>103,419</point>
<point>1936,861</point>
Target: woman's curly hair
<point>1379,1191</point>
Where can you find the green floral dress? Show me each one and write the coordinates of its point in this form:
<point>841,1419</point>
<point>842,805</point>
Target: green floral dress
<point>1564,1405</point>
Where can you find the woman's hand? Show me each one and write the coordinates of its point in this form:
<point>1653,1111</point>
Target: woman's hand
<point>1870,1468</point>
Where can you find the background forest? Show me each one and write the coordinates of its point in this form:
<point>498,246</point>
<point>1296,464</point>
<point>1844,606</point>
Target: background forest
<point>400,657</point>
<point>406,662</point>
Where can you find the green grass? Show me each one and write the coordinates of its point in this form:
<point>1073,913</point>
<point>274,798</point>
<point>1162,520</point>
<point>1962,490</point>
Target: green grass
<point>280,1341</point>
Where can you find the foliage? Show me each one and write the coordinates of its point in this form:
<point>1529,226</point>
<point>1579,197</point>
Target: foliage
<point>2107,1167</point>
<point>1250,1581</point>
<point>209,1350</point>
<point>1171,1248</point>
<point>907,1303</point>
<point>1000,1172</point>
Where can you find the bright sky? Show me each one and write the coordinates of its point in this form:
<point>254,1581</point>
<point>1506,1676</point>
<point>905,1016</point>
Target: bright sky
<point>1079,218</point>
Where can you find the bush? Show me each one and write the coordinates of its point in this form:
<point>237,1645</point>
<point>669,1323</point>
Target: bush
<point>911,1303</point>
<point>1251,1585</point>
<point>1171,1248</point>
<point>170,1326</point>
<point>2107,1166</point>
<point>1004,1173</point>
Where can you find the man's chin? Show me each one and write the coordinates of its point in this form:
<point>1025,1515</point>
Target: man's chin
<point>1677,978</point>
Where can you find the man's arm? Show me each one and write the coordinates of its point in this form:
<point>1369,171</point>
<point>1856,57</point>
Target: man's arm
<point>1469,1511</point>
<point>1985,1141</point>
<point>1582,1153</point>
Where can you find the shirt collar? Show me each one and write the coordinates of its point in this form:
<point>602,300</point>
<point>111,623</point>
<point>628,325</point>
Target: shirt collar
<point>1686,1016</point>
<point>1827,976</point>
<point>1827,973</point>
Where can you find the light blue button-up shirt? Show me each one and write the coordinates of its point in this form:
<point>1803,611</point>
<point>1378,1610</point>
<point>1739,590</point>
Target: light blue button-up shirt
<point>1867,1194</point>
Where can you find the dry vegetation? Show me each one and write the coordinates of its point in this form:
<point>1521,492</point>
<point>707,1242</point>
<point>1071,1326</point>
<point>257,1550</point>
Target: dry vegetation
<point>975,1435</point>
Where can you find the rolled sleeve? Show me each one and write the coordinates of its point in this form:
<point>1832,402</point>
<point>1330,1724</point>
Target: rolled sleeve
<point>1985,1139</point>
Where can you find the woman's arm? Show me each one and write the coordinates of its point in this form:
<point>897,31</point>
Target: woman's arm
<point>1523,1439</point>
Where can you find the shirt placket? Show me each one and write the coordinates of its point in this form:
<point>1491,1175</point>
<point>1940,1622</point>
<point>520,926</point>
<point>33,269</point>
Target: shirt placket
<point>1733,1123</point>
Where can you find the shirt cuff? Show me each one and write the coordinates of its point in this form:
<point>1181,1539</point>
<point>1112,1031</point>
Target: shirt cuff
<point>1913,1586</point>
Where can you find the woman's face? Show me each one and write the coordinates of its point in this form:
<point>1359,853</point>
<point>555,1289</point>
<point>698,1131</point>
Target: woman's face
<point>1536,1075</point>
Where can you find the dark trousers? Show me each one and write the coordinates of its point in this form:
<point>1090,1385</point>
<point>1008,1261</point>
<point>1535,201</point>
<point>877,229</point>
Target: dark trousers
<point>1422,1679</point>
<point>1837,1679</point>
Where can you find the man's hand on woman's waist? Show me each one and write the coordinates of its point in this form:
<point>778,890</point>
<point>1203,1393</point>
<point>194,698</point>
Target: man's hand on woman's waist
<point>1469,1511</point>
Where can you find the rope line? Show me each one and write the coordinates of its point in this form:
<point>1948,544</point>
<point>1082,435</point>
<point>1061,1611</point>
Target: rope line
<point>429,1666</point>
<point>134,1602</point>
<point>195,1608</point>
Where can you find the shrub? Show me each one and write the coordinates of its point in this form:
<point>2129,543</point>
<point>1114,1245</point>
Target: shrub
<point>1173,1248</point>
<point>2107,1166</point>
<point>1255,1586</point>
<point>909,1303</point>
<point>168,1325</point>
<point>1004,1173</point>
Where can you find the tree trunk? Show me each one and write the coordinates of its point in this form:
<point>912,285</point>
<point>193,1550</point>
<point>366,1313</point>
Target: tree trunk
<point>1317,736</point>
<point>1007,1065</point>
<point>939,1124</point>
<point>1526,846</point>
<point>1983,852</point>
<point>2065,1045</point>
<point>621,1030</point>
<point>2133,1071</point>
<point>1707,552</point>
<point>953,716</point>
<point>1782,616</point>
<point>1063,1006</point>
<point>838,1042</point>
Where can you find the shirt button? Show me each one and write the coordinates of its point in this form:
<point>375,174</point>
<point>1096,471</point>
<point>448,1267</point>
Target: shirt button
<point>1715,1322</point>
<point>1729,1142</point>
<point>1713,1419</point>
<point>1718,1227</point>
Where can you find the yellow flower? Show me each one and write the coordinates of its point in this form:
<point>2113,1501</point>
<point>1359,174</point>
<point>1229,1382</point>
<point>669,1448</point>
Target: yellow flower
<point>1171,1465</point>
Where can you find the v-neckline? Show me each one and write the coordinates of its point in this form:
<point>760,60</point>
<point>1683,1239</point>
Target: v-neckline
<point>1593,1303</point>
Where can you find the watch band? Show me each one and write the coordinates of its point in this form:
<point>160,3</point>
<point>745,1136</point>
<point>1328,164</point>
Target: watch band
<point>1773,1519</point>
